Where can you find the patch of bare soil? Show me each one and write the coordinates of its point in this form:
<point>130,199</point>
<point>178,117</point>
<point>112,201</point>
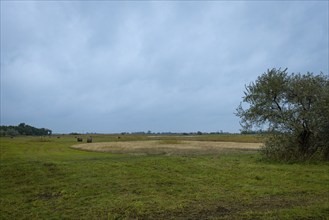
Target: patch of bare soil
<point>167,147</point>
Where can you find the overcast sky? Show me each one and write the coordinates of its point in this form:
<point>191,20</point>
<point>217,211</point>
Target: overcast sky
<point>179,66</point>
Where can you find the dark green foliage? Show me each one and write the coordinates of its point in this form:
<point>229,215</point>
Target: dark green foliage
<point>295,108</point>
<point>23,129</point>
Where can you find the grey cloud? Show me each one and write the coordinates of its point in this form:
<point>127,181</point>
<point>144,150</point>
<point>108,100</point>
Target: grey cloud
<point>163,66</point>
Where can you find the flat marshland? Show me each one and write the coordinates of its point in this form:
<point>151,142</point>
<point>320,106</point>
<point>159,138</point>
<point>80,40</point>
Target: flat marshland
<point>156,177</point>
<point>168,147</point>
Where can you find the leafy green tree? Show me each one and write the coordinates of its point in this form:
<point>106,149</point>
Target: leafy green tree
<point>294,108</point>
<point>23,129</point>
<point>12,132</point>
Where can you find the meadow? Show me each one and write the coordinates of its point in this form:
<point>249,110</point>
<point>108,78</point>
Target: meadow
<point>44,178</point>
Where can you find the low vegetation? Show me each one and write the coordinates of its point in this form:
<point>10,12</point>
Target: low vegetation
<point>43,178</point>
<point>168,147</point>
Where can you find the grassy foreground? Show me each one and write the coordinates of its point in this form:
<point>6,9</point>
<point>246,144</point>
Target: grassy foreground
<point>43,178</point>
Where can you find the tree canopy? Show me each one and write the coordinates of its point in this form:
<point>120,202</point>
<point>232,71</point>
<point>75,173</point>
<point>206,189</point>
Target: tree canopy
<point>23,129</point>
<point>295,110</point>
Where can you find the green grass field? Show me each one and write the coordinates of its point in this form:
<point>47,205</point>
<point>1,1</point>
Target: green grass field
<point>43,178</point>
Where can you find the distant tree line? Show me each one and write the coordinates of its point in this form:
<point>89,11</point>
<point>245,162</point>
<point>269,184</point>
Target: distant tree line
<point>23,129</point>
<point>175,133</point>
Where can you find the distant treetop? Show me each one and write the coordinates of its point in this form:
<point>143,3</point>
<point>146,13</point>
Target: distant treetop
<point>23,129</point>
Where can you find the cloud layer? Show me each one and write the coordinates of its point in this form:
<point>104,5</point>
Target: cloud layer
<point>136,66</point>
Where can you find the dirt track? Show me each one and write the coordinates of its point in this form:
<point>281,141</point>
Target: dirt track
<point>168,148</point>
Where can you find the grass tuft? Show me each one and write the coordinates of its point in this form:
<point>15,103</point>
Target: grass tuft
<point>170,141</point>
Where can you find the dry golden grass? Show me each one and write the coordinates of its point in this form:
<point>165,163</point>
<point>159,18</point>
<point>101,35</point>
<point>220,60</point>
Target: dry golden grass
<point>167,147</point>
